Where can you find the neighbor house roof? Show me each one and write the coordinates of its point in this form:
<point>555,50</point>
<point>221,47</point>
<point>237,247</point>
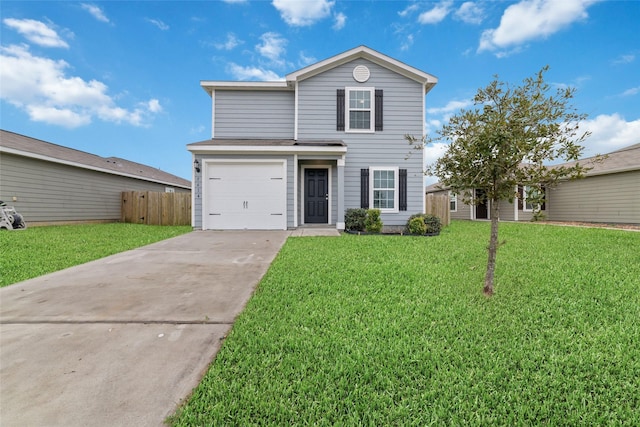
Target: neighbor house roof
<point>25,146</point>
<point>623,160</point>
<point>428,80</point>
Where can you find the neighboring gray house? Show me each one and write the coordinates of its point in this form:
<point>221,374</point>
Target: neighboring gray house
<point>303,150</point>
<point>610,192</point>
<point>48,183</point>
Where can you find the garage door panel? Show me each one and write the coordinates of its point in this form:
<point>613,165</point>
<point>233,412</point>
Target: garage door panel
<point>249,195</point>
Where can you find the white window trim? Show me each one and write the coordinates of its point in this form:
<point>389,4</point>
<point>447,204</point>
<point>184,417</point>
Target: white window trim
<point>455,200</point>
<point>347,110</point>
<point>395,190</point>
<point>524,199</point>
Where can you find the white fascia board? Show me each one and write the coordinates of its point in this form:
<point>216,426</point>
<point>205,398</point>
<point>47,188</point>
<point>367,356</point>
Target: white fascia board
<point>252,149</point>
<point>210,85</point>
<point>88,167</point>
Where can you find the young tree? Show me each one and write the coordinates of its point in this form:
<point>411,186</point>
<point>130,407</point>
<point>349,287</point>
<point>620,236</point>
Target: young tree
<point>506,140</point>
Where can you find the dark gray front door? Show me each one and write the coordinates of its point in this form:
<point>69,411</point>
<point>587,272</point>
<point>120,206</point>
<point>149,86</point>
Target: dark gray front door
<point>482,211</point>
<point>316,196</point>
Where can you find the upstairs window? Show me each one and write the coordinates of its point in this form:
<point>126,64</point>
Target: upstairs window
<point>360,111</point>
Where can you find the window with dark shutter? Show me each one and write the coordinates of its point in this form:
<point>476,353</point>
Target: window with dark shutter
<point>379,110</point>
<point>364,188</point>
<point>340,109</point>
<point>402,188</point>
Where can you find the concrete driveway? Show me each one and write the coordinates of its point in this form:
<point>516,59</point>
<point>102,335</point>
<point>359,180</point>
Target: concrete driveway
<point>122,341</point>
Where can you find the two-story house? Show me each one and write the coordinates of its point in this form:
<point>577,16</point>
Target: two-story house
<point>301,151</point>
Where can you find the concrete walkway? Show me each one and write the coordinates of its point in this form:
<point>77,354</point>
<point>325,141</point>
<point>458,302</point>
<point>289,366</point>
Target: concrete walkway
<point>121,341</point>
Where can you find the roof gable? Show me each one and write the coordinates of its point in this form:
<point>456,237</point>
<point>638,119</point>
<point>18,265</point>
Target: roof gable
<point>371,55</point>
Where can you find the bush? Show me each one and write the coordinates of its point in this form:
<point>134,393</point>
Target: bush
<point>373,223</point>
<point>416,226</point>
<point>432,224</point>
<point>354,219</point>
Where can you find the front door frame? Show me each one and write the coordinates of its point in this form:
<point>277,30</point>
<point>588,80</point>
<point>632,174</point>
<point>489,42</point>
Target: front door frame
<point>302,187</point>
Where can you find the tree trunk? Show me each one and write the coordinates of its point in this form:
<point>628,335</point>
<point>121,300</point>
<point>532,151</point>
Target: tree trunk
<point>493,249</point>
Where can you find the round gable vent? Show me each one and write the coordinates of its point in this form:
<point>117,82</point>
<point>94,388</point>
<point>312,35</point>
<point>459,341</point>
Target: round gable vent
<point>361,73</point>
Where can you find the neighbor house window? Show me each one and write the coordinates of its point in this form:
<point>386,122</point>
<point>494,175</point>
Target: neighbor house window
<point>453,202</point>
<point>532,193</point>
<point>384,191</point>
<point>360,109</point>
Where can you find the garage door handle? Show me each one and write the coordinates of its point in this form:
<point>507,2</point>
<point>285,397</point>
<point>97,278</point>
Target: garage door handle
<point>215,214</point>
<point>277,214</point>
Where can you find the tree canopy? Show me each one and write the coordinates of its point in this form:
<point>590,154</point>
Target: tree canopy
<point>509,138</point>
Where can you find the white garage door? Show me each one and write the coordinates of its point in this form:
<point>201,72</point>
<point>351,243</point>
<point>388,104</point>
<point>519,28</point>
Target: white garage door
<point>246,195</point>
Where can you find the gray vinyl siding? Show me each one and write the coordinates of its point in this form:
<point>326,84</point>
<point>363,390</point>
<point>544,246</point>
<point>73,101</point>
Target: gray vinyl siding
<point>403,114</point>
<point>198,185</point>
<point>601,198</point>
<point>52,192</point>
<point>253,114</point>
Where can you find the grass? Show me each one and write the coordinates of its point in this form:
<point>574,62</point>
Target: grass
<point>35,251</point>
<point>392,330</point>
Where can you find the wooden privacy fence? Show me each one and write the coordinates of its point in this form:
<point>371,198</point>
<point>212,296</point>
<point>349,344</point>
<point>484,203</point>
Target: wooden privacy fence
<point>156,208</point>
<point>438,205</point>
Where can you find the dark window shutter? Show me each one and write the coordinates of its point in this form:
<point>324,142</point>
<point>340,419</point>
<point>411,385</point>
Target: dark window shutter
<point>402,187</point>
<point>364,188</point>
<point>520,193</point>
<point>379,111</point>
<point>340,109</point>
<point>544,198</point>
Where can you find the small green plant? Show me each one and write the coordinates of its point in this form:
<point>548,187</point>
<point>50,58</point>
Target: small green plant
<point>373,223</point>
<point>416,225</point>
<point>432,224</point>
<point>354,219</point>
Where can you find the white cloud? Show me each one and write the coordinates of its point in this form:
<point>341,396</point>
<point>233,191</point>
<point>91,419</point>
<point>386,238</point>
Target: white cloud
<point>452,107</point>
<point>532,19</point>
<point>624,59</point>
<point>306,60</point>
<point>272,47</point>
<point>409,10</point>
<point>229,44</point>
<point>41,88</point>
<point>95,11</point>
<point>252,73</point>
<point>236,1</point>
<point>153,105</point>
<point>437,14</point>
<point>36,32</point>
<point>407,43</point>
<point>340,21</point>
<point>158,23</point>
<point>631,92</point>
<point>470,13</point>
<point>303,13</point>
<point>609,133</point>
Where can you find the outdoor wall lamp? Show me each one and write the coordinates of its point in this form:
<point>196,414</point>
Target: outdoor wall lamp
<point>196,165</point>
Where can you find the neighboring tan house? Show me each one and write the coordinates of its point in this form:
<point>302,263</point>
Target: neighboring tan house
<point>610,192</point>
<point>48,183</point>
<point>303,150</point>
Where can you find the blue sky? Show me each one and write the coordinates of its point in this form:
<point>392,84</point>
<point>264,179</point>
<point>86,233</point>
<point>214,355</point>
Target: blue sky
<point>119,78</point>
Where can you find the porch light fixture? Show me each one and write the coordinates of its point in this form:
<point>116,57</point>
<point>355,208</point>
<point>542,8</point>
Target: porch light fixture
<point>196,165</point>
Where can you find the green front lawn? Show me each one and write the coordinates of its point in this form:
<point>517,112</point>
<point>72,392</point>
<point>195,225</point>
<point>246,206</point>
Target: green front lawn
<point>35,251</point>
<point>393,330</point>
